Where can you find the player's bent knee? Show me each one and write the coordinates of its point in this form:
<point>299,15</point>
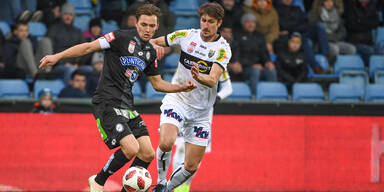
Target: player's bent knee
<point>191,167</point>
<point>130,151</point>
<point>166,146</point>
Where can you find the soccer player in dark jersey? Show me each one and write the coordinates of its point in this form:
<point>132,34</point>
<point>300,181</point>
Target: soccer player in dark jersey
<point>128,53</point>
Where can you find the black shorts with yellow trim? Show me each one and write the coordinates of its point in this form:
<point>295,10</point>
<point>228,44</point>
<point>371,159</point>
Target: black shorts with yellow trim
<point>114,124</point>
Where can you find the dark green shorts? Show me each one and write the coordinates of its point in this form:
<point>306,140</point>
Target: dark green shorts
<point>115,123</point>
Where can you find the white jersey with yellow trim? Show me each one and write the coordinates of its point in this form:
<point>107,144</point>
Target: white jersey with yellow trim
<point>206,54</point>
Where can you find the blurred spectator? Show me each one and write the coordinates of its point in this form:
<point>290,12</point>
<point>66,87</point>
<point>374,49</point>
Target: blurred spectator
<point>232,14</point>
<point>51,11</point>
<point>94,30</point>
<point>45,103</point>
<point>338,4</point>
<point>267,21</point>
<point>290,63</point>
<point>251,58</point>
<point>19,11</point>
<point>20,51</point>
<point>62,36</point>
<point>293,19</point>
<point>93,77</point>
<point>76,87</point>
<point>361,18</point>
<point>112,10</point>
<point>166,20</point>
<point>327,13</point>
<point>129,21</point>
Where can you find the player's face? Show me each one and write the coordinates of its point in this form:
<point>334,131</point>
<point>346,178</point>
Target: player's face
<point>146,26</point>
<point>209,26</point>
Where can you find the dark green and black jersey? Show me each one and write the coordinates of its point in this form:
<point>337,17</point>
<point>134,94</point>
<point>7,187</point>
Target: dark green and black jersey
<point>126,58</point>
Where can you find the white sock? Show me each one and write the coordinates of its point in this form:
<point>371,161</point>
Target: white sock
<point>179,176</point>
<point>163,162</point>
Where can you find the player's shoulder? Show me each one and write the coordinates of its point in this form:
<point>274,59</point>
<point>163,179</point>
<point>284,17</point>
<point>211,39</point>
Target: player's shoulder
<point>222,44</point>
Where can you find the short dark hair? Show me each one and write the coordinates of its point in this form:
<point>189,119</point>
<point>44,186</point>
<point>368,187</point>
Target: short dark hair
<point>77,72</point>
<point>148,9</point>
<point>214,10</point>
<point>19,23</point>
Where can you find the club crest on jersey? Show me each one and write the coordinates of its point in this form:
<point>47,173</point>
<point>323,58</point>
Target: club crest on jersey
<point>148,55</point>
<point>132,75</point>
<point>131,46</point>
<point>191,47</point>
<point>211,53</point>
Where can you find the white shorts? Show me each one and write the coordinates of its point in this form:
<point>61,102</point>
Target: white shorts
<point>194,124</point>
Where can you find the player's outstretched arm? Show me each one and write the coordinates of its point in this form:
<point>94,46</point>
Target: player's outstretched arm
<point>75,51</point>
<point>208,80</point>
<point>162,86</point>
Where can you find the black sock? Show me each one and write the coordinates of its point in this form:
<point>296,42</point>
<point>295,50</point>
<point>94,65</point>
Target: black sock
<point>115,162</point>
<point>138,162</point>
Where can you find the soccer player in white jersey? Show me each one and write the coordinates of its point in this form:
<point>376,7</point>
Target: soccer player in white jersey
<point>178,157</point>
<point>204,57</point>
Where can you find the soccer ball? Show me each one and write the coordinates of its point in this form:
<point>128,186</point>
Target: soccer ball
<point>137,179</point>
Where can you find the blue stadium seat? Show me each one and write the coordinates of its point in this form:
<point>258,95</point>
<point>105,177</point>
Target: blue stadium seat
<point>358,78</point>
<point>344,93</point>
<point>187,22</point>
<point>54,85</point>
<point>379,77</point>
<point>37,29</point>
<point>172,61</point>
<point>4,27</point>
<point>376,63</point>
<point>380,36</point>
<point>167,77</point>
<point>322,60</point>
<point>82,22</point>
<point>184,7</point>
<point>136,91</point>
<point>109,26</point>
<point>82,6</point>
<point>152,93</point>
<point>240,90</point>
<point>374,93</point>
<point>273,91</point>
<point>14,88</point>
<point>311,92</point>
<point>349,62</point>
<point>300,4</point>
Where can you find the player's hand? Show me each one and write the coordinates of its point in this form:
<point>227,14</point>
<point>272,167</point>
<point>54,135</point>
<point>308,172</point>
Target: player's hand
<point>189,86</point>
<point>48,60</point>
<point>195,70</point>
<point>159,51</point>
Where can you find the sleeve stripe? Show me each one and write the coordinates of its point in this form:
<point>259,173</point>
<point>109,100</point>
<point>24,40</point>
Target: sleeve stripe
<point>166,40</point>
<point>220,65</point>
